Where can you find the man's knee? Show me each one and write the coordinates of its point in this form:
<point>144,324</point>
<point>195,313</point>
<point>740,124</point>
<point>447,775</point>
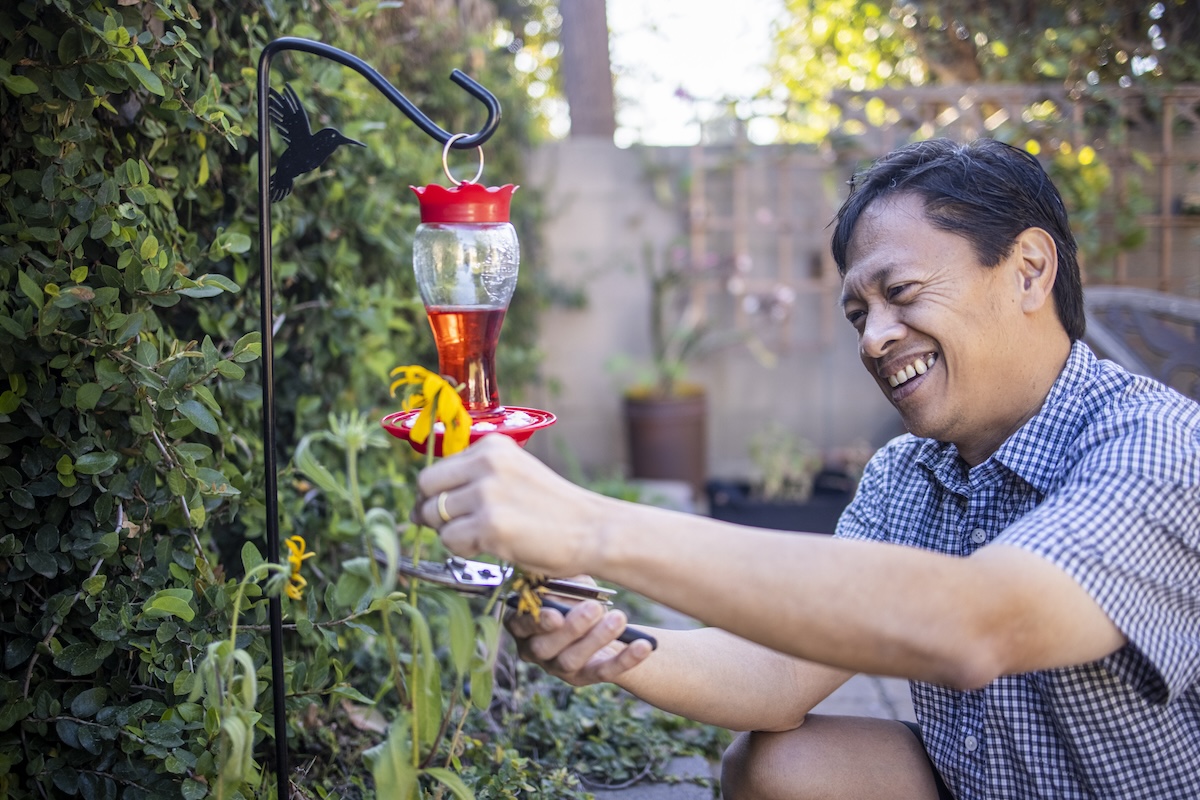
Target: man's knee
<point>828,757</point>
<point>749,769</point>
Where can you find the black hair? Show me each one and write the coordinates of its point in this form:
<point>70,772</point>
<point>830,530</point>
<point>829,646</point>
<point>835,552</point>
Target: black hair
<point>987,192</point>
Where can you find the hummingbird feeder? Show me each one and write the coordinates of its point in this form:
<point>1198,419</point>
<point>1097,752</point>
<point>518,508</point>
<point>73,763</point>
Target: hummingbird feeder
<point>465,257</point>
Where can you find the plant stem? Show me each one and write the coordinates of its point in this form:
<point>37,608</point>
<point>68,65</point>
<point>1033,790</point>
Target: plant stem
<point>261,569</point>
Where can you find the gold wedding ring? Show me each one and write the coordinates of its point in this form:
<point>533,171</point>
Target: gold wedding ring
<point>441,507</point>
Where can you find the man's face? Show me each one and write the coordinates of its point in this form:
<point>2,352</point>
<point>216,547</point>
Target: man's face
<point>940,333</point>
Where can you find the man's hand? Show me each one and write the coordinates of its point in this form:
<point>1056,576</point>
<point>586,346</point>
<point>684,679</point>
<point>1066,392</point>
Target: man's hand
<point>496,498</point>
<point>580,648</point>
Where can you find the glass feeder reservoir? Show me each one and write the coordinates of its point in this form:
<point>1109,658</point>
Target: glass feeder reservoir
<point>465,258</point>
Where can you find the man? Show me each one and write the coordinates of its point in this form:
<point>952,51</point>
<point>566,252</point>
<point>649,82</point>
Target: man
<point>1028,555</point>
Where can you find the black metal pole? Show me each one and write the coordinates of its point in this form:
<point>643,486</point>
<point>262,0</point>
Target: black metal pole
<point>267,319</point>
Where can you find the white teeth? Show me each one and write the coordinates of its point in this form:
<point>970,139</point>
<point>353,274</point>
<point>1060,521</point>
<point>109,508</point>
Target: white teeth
<point>918,367</point>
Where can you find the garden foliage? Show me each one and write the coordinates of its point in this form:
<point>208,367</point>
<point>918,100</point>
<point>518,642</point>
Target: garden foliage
<point>131,458</point>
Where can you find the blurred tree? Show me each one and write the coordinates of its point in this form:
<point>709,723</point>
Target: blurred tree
<point>843,44</point>
<point>531,31</point>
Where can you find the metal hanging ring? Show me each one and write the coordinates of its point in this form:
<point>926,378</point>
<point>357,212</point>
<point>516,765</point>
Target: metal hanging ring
<point>446,165</point>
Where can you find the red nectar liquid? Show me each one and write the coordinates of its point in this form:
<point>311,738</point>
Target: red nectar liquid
<point>466,339</point>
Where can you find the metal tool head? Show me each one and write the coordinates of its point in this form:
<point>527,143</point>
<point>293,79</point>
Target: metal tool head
<point>480,577</point>
<point>472,577</point>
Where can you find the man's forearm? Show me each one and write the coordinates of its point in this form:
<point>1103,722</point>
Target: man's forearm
<point>712,676</point>
<point>859,606</point>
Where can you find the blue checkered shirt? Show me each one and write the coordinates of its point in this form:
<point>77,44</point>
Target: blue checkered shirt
<point>1105,483</point>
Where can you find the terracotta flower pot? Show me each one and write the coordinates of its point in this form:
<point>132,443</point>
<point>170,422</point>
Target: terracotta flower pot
<point>667,438</point>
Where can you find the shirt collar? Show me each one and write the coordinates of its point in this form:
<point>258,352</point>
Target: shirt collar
<point>1035,450</point>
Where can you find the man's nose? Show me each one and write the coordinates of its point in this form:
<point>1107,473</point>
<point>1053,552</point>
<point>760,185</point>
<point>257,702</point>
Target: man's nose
<point>881,331</point>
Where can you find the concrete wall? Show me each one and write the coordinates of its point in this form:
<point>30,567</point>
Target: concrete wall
<point>602,212</point>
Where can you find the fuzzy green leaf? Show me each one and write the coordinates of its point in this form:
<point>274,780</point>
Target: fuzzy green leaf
<point>19,84</point>
<point>170,603</point>
<point>147,79</point>
<point>30,288</point>
<point>96,462</point>
<point>199,416</point>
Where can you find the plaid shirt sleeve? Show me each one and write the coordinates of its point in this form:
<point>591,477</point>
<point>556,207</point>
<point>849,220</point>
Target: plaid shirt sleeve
<point>1125,524</point>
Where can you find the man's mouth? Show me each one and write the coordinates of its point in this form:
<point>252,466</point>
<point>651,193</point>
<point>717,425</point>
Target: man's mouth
<point>919,366</point>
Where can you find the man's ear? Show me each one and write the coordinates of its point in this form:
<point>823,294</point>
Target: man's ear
<point>1036,258</point>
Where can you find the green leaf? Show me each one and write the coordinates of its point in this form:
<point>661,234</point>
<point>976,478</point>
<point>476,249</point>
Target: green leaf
<point>88,396</point>
<point>194,790</point>
<point>170,603</point>
<point>149,248</point>
<point>451,781</point>
<point>83,658</point>
<point>12,713</point>
<point>19,84</point>
<point>75,237</point>
<point>208,286</point>
<point>17,651</point>
<point>214,482</point>
<point>95,463</point>
<point>147,78</point>
<point>251,558</point>
<point>483,669</point>
<point>9,546</point>
<point>30,288</point>
<point>391,764</point>
<point>312,469</point>
<point>228,369</point>
<point>248,348</point>
<point>462,630</point>
<point>381,533</point>
<point>199,416</point>
<point>89,701</point>
<point>177,483</point>
<point>348,692</point>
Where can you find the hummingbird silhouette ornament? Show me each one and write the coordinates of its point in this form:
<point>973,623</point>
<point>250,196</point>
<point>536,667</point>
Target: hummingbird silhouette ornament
<point>306,150</point>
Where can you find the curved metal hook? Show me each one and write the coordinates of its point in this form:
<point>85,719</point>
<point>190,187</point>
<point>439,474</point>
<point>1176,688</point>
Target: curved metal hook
<point>390,92</point>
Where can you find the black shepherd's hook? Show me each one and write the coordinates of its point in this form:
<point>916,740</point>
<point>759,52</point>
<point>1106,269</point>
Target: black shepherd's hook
<point>268,314</point>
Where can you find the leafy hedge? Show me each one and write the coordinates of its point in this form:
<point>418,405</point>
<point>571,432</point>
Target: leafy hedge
<point>130,445</point>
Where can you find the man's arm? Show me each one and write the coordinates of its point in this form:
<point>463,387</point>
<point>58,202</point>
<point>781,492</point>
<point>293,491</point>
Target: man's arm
<point>858,606</point>
<point>704,674</point>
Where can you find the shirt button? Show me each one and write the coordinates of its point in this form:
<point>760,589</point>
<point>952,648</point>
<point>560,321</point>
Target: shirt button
<point>971,744</point>
<point>979,536</point>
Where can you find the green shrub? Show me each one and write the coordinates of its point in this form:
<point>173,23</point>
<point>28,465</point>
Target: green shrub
<point>130,444</point>
<point>131,458</point>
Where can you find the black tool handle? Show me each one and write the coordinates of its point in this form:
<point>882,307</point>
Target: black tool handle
<point>627,636</point>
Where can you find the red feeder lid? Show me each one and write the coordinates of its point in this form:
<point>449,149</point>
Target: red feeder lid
<point>467,202</point>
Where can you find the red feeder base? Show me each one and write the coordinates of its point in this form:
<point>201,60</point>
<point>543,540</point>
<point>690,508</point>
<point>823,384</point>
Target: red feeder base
<point>517,424</point>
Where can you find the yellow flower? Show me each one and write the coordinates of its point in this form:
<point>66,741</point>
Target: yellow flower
<point>296,555</point>
<point>529,588</point>
<point>439,401</point>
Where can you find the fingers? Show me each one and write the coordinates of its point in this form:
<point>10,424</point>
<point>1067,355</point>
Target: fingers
<point>484,457</point>
<point>580,648</point>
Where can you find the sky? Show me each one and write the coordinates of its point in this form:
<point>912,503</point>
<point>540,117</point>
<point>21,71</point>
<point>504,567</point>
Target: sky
<point>709,49</point>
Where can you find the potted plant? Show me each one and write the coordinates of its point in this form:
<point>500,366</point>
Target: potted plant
<point>795,488</point>
<point>665,415</point>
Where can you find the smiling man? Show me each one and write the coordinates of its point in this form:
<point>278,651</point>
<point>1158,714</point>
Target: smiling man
<point>1028,555</point>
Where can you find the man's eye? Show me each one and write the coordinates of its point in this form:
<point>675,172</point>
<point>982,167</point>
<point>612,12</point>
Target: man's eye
<point>855,317</point>
<point>895,291</point>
